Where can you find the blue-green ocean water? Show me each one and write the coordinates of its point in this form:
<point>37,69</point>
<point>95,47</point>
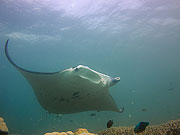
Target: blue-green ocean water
<point>134,39</point>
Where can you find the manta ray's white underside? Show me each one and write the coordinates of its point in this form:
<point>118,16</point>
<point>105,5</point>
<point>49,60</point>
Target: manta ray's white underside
<point>72,90</point>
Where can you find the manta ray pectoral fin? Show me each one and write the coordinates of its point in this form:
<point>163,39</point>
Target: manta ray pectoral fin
<point>70,91</point>
<point>20,68</point>
<point>38,80</point>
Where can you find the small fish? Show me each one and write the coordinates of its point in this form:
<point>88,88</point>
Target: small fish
<point>170,89</point>
<point>59,116</point>
<point>140,127</point>
<point>121,110</point>
<point>144,110</point>
<point>76,93</point>
<point>92,114</point>
<point>109,123</point>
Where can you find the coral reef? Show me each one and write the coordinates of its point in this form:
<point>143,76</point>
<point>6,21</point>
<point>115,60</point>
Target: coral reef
<point>80,131</point>
<point>170,128</point>
<point>3,127</point>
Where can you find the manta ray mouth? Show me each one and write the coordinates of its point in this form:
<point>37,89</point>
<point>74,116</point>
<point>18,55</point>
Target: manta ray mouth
<point>88,74</point>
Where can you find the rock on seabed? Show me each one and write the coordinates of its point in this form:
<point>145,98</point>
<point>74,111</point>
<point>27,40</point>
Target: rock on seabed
<point>3,127</point>
<point>80,131</point>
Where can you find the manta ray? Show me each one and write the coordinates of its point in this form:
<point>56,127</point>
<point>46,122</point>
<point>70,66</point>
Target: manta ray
<point>72,90</point>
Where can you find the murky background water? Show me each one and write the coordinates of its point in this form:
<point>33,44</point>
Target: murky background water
<point>134,39</point>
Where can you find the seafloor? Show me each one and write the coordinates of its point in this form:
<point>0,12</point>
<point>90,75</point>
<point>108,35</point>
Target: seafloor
<point>170,128</point>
